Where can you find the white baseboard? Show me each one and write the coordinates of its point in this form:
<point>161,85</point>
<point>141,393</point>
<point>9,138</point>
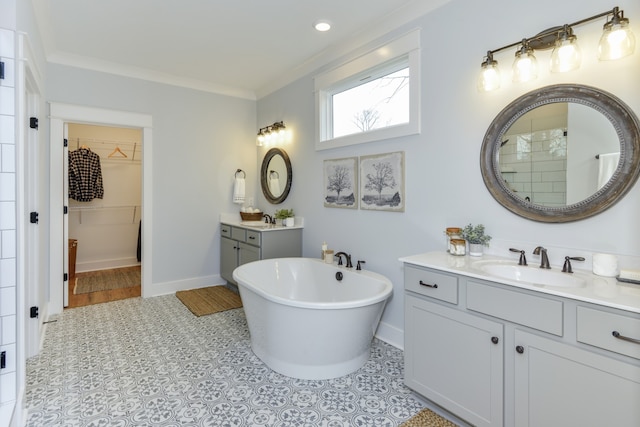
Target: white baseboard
<point>106,264</point>
<point>166,288</point>
<point>391,335</point>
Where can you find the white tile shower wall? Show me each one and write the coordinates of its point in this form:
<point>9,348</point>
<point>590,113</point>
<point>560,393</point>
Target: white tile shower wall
<point>7,221</point>
<point>535,164</point>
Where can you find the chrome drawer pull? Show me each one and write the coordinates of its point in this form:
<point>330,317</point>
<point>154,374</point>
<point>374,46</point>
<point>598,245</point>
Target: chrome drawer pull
<point>434,286</point>
<point>622,337</point>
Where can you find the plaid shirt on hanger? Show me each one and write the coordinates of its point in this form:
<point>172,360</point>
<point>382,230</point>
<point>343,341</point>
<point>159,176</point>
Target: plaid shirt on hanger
<point>85,175</point>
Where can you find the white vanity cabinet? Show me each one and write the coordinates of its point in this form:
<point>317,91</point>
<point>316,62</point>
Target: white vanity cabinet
<point>499,355</point>
<point>240,245</point>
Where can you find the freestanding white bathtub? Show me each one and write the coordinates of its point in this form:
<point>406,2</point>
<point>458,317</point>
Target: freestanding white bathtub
<point>304,323</point>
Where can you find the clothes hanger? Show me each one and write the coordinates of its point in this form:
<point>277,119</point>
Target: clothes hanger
<point>117,150</point>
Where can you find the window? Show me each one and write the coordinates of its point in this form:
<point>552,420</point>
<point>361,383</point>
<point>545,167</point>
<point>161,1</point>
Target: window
<point>372,97</point>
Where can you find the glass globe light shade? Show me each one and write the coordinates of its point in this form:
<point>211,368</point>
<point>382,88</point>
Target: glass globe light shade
<point>566,55</point>
<point>617,41</point>
<point>525,67</point>
<point>489,78</point>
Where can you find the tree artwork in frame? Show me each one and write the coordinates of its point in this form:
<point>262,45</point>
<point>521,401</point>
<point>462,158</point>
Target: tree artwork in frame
<point>341,183</point>
<point>382,182</point>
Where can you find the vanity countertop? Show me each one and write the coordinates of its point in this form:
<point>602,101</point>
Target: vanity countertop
<point>605,291</point>
<point>233,220</point>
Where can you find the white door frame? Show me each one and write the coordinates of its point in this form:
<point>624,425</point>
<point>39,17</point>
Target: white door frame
<point>68,113</point>
<point>31,152</point>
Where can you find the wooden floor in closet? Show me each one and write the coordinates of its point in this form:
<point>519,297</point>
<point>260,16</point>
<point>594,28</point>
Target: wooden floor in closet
<point>82,300</point>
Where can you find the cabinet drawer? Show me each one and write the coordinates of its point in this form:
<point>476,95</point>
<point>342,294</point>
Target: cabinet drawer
<point>596,327</point>
<point>253,237</point>
<point>225,230</point>
<point>529,310</point>
<point>239,234</point>
<point>435,285</point>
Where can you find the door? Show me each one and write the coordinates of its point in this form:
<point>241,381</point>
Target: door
<point>561,385</point>
<point>35,295</point>
<point>228,258</point>
<point>455,359</point>
<point>65,217</point>
<point>58,246</point>
<point>248,253</point>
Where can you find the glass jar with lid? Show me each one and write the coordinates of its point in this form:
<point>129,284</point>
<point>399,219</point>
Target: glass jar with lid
<point>458,247</point>
<point>452,233</point>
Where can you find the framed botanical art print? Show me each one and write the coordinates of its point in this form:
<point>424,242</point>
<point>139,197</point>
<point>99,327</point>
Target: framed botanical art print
<point>382,182</point>
<point>341,183</point>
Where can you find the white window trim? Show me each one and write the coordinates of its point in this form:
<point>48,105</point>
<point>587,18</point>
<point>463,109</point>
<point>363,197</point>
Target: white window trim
<point>407,45</point>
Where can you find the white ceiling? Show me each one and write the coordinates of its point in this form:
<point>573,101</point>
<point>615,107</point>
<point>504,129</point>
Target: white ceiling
<point>243,48</point>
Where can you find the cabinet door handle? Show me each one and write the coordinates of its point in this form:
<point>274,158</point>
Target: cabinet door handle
<point>495,340</point>
<point>622,337</point>
<point>252,238</point>
<point>428,285</point>
<point>520,349</point>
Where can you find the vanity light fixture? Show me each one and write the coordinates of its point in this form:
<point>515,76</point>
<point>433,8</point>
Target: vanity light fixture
<point>617,41</point>
<point>566,54</point>
<point>271,134</point>
<point>525,67</point>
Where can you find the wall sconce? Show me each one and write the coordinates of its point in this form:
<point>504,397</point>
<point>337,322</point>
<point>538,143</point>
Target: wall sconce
<point>272,134</point>
<point>617,41</point>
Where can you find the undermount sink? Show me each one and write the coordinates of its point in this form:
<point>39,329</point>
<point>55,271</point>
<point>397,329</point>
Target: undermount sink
<point>257,224</point>
<point>532,275</point>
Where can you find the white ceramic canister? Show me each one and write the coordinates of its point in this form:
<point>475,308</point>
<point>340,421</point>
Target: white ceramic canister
<point>605,265</point>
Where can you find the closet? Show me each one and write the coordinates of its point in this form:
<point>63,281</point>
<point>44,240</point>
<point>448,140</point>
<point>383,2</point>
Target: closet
<point>104,232</point>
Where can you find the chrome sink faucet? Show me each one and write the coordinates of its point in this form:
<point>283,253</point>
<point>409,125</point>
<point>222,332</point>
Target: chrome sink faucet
<point>544,261</point>
<point>347,256</point>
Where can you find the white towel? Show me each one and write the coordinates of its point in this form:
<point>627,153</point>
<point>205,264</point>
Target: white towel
<point>274,187</point>
<point>607,165</point>
<point>238,191</point>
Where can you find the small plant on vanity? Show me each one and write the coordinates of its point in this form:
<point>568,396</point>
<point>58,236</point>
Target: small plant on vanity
<point>476,236</point>
<point>284,215</point>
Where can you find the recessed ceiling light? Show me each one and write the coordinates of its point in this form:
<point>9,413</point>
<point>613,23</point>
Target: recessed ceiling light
<point>322,25</point>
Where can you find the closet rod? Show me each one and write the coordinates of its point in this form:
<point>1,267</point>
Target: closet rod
<point>82,208</point>
<point>80,141</point>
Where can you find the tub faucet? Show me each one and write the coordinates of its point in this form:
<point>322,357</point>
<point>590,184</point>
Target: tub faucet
<point>544,261</point>
<point>347,256</point>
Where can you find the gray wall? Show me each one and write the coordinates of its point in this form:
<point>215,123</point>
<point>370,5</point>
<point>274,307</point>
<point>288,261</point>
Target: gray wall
<point>454,119</point>
<point>199,140</point>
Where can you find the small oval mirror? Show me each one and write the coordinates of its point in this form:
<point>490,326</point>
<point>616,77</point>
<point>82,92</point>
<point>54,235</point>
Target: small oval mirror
<point>276,175</point>
<point>542,155</point>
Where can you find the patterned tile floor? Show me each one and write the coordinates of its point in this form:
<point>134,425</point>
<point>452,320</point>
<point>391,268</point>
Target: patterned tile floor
<point>150,362</point>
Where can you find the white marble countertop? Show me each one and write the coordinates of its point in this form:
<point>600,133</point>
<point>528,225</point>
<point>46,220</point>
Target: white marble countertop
<point>605,291</point>
<point>236,221</point>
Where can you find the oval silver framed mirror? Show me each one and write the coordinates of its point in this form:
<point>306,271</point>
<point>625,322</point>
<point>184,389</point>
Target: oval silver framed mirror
<point>276,175</point>
<point>575,136</point>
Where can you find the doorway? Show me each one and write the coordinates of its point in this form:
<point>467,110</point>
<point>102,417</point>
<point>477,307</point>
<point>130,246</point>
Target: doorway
<point>60,116</point>
<point>104,215</point>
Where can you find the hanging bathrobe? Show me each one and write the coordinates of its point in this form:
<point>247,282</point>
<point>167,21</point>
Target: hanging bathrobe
<point>85,175</point>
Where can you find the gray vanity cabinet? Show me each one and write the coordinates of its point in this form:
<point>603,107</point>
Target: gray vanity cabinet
<point>499,355</point>
<point>450,359</point>
<point>453,358</point>
<point>239,245</point>
<point>559,384</point>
